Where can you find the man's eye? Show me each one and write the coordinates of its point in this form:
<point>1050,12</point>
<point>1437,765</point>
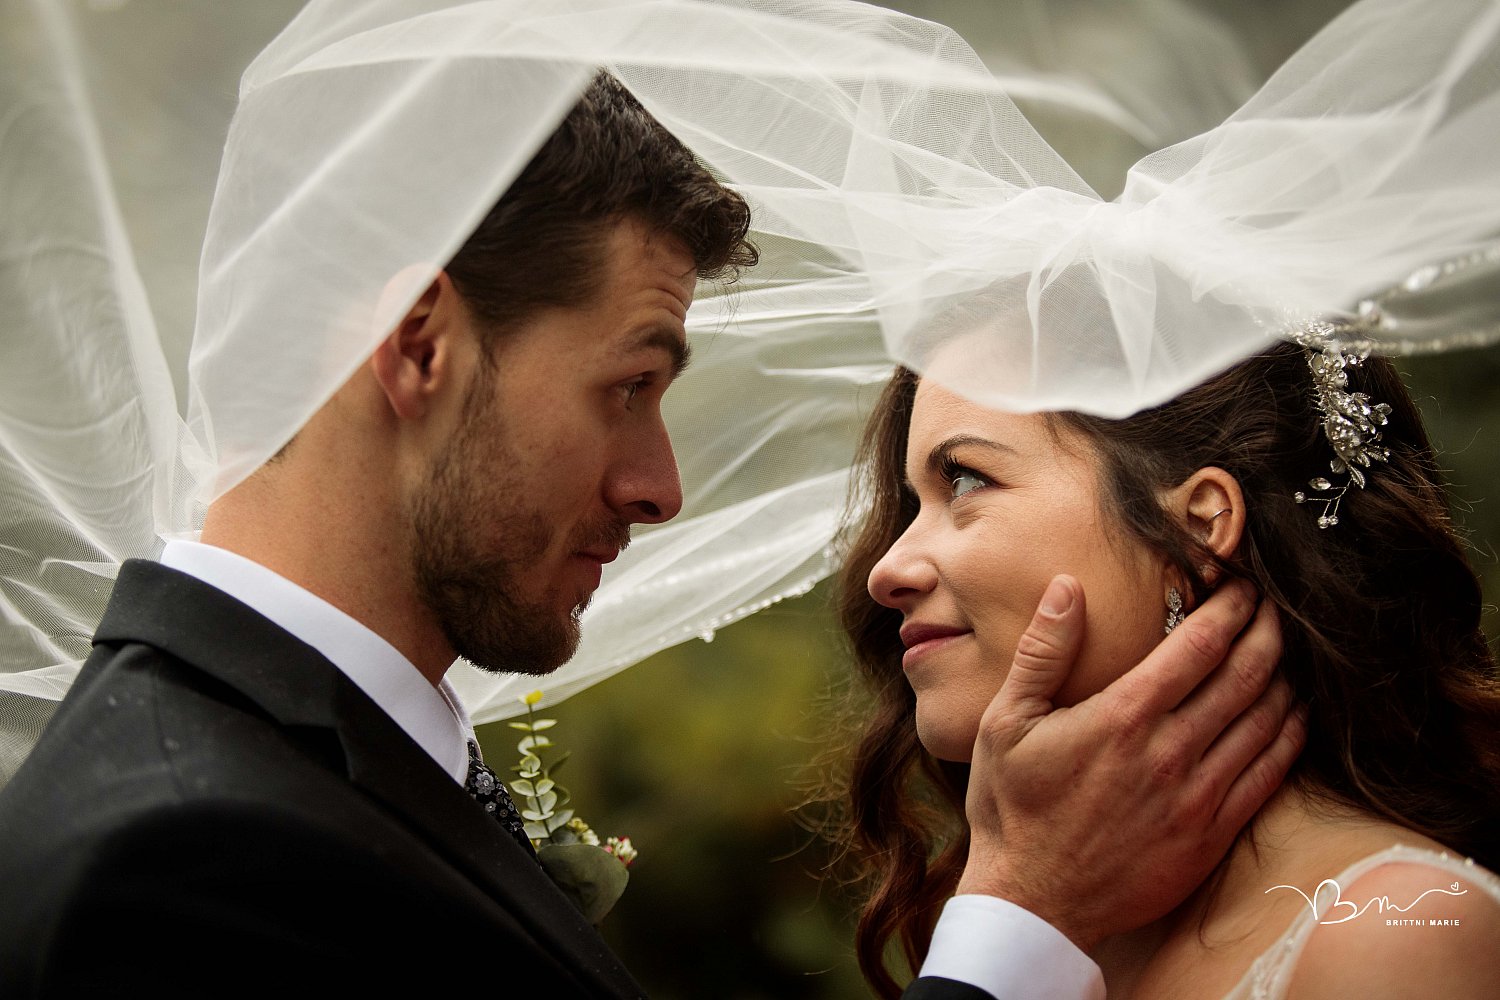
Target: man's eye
<point>965,481</point>
<point>629,389</point>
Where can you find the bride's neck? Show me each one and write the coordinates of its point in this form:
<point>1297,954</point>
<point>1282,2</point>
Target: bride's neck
<point>1299,838</point>
<point>1301,834</point>
<point>1289,832</point>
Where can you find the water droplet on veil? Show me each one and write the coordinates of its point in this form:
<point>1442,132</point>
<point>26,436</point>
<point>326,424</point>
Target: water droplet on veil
<point>1421,278</point>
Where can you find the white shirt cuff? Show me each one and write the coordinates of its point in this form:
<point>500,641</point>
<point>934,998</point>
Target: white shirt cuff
<point>1009,952</point>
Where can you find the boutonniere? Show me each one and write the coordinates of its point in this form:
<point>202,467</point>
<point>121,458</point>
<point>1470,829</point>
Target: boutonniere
<point>592,874</point>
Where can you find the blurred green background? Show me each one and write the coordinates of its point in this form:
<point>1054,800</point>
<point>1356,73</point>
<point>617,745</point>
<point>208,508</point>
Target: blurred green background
<point>699,753</point>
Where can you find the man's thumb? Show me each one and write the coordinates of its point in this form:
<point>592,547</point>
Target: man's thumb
<point>1048,647</point>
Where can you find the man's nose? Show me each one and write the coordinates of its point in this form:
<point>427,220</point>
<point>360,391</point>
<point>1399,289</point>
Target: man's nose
<point>904,573</point>
<point>646,488</point>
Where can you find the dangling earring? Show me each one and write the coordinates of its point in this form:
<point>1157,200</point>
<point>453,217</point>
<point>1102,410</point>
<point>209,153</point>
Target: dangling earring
<point>1175,617</point>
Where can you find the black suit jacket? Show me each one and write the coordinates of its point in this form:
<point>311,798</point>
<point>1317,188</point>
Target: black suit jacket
<point>216,810</point>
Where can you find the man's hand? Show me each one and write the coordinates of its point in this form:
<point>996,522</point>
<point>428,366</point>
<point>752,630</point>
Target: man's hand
<point>1102,817</point>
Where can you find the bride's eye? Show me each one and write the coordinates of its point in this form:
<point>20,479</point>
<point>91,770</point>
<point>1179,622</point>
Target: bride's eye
<point>961,481</point>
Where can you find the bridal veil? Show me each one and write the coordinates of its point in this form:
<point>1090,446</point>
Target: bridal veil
<point>903,205</point>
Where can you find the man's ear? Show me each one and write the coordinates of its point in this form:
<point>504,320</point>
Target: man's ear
<point>1211,506</point>
<point>423,356</point>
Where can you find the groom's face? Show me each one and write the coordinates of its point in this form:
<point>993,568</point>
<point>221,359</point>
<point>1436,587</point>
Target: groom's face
<point>561,447</point>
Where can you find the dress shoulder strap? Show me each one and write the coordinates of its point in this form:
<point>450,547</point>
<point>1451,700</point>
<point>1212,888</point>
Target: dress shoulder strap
<point>1270,975</point>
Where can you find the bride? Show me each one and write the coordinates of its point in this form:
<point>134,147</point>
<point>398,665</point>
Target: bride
<point>1394,799</point>
<point>1303,470</point>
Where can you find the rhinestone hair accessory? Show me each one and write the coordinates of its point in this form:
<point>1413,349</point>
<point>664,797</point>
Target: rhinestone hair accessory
<point>1351,420</point>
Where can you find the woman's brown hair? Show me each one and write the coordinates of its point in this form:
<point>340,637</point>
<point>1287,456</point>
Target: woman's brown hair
<point>1380,619</point>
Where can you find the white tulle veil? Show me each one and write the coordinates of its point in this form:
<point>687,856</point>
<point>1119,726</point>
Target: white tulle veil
<point>902,202</point>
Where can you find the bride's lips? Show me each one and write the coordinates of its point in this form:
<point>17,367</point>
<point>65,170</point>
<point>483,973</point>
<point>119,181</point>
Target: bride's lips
<point>922,638</point>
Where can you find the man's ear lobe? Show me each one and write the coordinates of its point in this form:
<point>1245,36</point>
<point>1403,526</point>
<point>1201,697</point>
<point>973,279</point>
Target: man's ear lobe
<point>415,360</point>
<point>1212,507</point>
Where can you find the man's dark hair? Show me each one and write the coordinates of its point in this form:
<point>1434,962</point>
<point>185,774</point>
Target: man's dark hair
<point>543,242</point>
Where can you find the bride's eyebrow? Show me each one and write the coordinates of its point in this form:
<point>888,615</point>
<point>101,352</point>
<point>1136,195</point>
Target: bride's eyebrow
<point>942,453</point>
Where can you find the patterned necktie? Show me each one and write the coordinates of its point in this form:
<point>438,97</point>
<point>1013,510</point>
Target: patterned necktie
<point>490,793</point>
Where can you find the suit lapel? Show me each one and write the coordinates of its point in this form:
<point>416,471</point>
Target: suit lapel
<point>298,687</point>
<point>399,774</point>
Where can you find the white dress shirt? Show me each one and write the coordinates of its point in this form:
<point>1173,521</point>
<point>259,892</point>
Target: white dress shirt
<point>1009,952</point>
<point>432,716</point>
<point>986,942</point>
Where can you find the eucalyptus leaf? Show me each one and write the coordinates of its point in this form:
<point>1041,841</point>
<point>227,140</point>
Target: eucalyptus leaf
<point>523,787</point>
<point>541,724</point>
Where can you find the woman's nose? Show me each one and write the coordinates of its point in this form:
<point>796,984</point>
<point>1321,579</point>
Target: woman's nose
<point>904,573</point>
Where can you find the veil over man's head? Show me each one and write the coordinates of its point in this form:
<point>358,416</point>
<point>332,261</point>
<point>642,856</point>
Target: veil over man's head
<point>891,179</point>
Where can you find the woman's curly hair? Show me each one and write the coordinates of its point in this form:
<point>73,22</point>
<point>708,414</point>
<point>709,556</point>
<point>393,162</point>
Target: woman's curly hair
<point>1380,623</point>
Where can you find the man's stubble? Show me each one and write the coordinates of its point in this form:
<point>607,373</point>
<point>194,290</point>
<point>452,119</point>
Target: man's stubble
<point>476,537</point>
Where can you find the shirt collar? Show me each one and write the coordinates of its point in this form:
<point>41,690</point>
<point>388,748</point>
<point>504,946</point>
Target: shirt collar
<point>433,717</point>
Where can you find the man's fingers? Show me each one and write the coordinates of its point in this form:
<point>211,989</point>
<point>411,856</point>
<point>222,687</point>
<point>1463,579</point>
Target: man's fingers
<point>1238,683</point>
<point>1047,649</point>
<point>1265,774</point>
<point>1197,646</point>
<point>1247,736</point>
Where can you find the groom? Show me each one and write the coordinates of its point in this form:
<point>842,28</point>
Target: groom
<point>260,776</point>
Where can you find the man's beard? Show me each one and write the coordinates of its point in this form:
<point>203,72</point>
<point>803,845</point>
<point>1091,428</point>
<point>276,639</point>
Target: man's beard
<point>476,540</point>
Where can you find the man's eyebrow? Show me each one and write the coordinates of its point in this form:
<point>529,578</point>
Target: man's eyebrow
<point>661,338</point>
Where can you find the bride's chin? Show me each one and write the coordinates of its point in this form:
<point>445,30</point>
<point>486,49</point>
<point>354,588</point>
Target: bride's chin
<point>944,744</point>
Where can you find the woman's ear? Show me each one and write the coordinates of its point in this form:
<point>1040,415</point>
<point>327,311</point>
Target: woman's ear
<point>1211,506</point>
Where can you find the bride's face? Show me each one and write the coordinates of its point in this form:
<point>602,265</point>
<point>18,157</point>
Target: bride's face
<point>1007,502</point>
